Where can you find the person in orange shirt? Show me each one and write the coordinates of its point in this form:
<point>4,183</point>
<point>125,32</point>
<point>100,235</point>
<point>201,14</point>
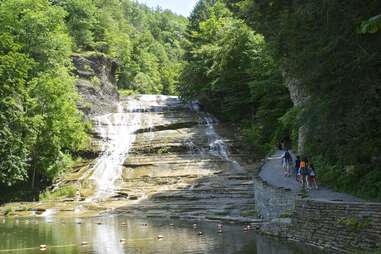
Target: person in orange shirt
<point>304,173</point>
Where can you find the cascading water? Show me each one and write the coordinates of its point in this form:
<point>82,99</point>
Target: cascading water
<point>118,131</point>
<point>217,146</point>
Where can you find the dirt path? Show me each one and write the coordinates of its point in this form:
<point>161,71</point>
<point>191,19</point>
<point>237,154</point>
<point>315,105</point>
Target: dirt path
<point>272,172</point>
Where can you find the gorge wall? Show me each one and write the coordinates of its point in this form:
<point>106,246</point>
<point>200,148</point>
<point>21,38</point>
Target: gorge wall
<point>298,97</point>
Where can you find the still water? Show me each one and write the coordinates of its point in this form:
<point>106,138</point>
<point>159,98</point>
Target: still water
<point>122,235</point>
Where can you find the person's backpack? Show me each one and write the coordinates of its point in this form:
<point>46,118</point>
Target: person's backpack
<point>287,156</point>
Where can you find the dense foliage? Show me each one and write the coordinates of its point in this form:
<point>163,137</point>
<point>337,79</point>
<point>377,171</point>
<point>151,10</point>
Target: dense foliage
<point>40,126</point>
<point>230,70</point>
<point>328,49</point>
<point>146,42</point>
<point>235,56</point>
<point>332,49</point>
<point>39,123</point>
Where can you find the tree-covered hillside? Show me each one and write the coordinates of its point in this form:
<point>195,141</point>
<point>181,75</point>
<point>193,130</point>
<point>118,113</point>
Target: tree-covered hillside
<point>40,127</point>
<point>332,49</point>
<point>242,55</point>
<point>145,42</point>
<point>230,69</point>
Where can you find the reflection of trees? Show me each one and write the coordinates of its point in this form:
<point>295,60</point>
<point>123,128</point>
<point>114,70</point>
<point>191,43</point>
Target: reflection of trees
<point>105,238</point>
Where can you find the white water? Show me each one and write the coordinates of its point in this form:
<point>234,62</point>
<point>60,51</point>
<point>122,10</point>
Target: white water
<point>49,212</point>
<point>217,145</point>
<point>118,133</point>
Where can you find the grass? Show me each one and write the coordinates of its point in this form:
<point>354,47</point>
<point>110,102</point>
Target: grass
<point>126,92</point>
<point>354,223</point>
<point>67,191</point>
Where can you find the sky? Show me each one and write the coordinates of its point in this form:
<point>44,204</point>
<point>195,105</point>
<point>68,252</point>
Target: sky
<point>182,7</point>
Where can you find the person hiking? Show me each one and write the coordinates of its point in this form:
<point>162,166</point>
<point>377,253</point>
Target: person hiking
<point>286,162</point>
<point>296,169</point>
<point>281,144</point>
<point>312,177</point>
<point>304,173</point>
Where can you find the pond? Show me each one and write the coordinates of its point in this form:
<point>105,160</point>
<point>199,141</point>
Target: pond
<point>124,235</point>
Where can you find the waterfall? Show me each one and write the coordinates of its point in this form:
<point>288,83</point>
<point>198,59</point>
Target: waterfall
<point>217,146</point>
<point>118,134</point>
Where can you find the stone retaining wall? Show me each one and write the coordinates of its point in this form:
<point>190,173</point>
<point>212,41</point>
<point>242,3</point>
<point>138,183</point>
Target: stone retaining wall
<point>333,225</point>
<point>338,225</point>
<point>272,202</point>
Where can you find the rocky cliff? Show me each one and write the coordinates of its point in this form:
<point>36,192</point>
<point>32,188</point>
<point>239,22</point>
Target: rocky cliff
<point>298,97</point>
<point>96,83</point>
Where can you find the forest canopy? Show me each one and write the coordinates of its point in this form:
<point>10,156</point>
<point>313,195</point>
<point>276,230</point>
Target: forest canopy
<point>332,49</point>
<point>40,125</point>
<point>41,129</point>
<point>242,56</point>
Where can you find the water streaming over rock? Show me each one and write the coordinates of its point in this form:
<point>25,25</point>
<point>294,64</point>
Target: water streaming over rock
<point>162,156</point>
<point>217,145</point>
<point>118,131</point>
<point>49,213</point>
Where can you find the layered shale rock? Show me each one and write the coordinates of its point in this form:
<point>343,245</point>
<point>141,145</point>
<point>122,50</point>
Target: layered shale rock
<point>178,165</point>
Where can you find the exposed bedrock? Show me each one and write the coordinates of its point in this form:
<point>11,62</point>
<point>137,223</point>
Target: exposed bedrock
<point>178,165</point>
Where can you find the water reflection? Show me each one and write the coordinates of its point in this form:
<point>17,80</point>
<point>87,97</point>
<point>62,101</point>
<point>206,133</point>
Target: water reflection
<point>104,235</point>
<point>107,238</point>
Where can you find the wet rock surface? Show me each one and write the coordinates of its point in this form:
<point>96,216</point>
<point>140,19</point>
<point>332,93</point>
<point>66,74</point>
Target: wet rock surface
<point>178,165</point>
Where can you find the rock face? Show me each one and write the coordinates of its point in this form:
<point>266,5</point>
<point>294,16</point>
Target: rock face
<point>298,97</point>
<point>96,83</point>
<point>176,165</point>
<point>179,166</point>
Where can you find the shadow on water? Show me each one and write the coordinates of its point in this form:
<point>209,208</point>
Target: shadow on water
<point>103,235</point>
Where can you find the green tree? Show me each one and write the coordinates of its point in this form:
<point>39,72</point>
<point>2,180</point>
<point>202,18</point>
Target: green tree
<point>319,44</point>
<point>14,123</point>
<point>81,21</point>
<point>40,125</point>
<point>231,71</point>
